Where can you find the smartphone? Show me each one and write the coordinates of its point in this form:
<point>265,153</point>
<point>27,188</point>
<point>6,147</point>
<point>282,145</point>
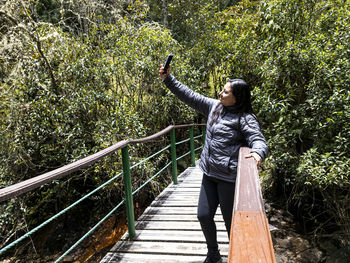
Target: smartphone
<point>167,63</point>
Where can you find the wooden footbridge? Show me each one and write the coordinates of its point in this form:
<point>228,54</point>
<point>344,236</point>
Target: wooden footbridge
<point>168,230</point>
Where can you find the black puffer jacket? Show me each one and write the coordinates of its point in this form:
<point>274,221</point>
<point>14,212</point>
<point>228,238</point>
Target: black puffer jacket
<point>231,131</point>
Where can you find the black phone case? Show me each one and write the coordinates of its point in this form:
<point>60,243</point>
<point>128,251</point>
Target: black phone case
<point>167,63</point>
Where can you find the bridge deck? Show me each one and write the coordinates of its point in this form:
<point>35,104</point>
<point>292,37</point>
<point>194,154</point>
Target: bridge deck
<point>168,231</point>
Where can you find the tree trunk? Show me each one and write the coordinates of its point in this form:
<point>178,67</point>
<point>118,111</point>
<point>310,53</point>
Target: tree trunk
<point>165,13</point>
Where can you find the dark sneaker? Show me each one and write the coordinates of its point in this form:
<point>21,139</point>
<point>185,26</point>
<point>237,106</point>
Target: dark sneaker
<point>213,259</point>
<point>209,260</point>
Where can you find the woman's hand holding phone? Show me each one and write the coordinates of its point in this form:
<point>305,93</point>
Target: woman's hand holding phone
<point>165,70</point>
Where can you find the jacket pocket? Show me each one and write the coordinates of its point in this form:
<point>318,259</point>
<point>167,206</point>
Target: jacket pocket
<point>232,166</point>
<point>220,164</point>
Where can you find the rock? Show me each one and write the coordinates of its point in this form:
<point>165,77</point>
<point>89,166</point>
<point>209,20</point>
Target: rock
<point>68,259</point>
<point>282,243</point>
<point>273,228</point>
<point>281,258</point>
<point>274,219</point>
<point>267,207</point>
<point>51,258</point>
<point>341,255</point>
<point>312,255</point>
<point>299,244</point>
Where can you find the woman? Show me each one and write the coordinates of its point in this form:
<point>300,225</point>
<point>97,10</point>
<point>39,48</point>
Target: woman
<point>231,124</point>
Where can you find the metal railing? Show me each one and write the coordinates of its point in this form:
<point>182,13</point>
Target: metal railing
<point>33,183</point>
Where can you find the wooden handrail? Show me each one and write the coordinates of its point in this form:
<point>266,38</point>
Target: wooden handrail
<point>35,182</point>
<point>250,238</point>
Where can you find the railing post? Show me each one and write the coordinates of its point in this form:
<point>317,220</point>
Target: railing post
<point>128,191</point>
<point>173,155</point>
<point>204,131</point>
<point>193,159</point>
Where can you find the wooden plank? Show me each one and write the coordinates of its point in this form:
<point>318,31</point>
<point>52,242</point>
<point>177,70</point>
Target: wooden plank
<point>170,203</point>
<point>184,190</point>
<point>174,210</point>
<point>171,210</point>
<point>193,179</point>
<point>171,217</point>
<point>158,225</point>
<point>192,176</point>
<point>178,193</point>
<point>186,185</point>
<point>167,248</point>
<point>151,258</point>
<point>179,196</point>
<point>175,235</point>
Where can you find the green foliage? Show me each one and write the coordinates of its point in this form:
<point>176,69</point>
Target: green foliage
<point>322,170</point>
<point>295,56</point>
<point>66,96</point>
<point>308,65</point>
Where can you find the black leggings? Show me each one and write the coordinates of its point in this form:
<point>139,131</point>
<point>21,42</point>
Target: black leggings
<point>214,192</point>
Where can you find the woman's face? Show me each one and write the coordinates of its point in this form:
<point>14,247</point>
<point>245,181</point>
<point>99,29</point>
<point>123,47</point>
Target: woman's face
<point>226,96</point>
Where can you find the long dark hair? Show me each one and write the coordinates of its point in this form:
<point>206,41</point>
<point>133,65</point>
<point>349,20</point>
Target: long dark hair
<point>241,90</point>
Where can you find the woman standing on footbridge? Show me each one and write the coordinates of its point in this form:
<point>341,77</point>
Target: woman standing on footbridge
<point>231,124</point>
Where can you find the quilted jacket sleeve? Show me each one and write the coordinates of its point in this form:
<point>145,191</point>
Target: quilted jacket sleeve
<point>255,139</point>
<point>193,99</point>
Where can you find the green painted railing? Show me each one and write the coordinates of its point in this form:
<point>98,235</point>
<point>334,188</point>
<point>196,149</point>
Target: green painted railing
<point>33,183</point>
